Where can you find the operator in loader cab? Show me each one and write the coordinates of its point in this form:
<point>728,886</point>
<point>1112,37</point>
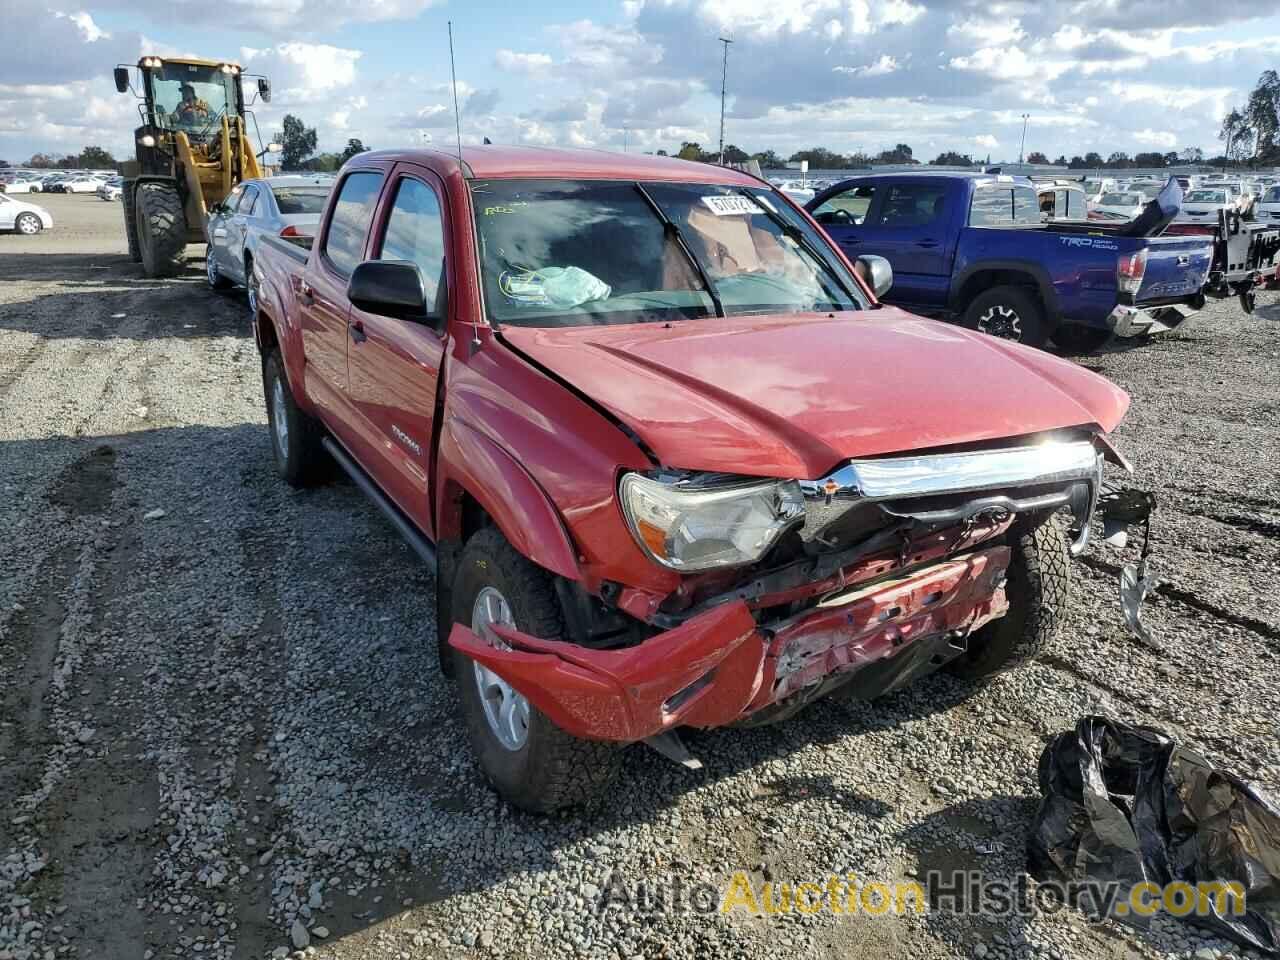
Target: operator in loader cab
<point>190,108</point>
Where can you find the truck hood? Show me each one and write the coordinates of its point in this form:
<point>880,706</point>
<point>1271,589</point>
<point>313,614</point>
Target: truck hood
<point>793,395</point>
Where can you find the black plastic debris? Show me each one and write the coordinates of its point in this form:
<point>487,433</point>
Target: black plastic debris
<point>1128,804</point>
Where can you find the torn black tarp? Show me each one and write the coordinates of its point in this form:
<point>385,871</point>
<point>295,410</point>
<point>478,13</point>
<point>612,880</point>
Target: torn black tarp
<point>1128,804</point>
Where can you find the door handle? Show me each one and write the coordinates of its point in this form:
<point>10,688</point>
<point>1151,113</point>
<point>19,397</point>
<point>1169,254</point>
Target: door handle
<point>356,329</point>
<point>305,294</point>
<point>926,243</point>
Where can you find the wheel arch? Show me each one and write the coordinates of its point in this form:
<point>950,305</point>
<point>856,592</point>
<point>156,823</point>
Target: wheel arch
<point>988,274</point>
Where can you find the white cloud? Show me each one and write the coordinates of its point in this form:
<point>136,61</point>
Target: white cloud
<point>1156,138</point>
<point>885,65</point>
<point>303,73</point>
<point>514,62</point>
<point>986,141</point>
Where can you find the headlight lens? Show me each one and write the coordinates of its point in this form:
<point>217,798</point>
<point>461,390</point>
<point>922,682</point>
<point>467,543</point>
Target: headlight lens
<point>690,527</point>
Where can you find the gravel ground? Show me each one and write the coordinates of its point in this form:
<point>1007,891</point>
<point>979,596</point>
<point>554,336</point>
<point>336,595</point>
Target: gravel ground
<point>222,731</point>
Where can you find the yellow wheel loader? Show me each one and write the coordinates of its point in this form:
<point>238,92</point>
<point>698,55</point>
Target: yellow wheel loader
<point>193,148</point>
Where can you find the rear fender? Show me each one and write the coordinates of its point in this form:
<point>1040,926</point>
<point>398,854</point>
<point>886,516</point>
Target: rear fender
<point>701,674</point>
<point>275,327</point>
<point>1035,273</point>
<point>471,462</point>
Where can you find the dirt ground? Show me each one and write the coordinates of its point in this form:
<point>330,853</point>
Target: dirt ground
<point>223,734</point>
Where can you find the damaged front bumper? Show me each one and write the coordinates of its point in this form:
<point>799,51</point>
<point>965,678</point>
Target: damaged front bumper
<point>722,667</point>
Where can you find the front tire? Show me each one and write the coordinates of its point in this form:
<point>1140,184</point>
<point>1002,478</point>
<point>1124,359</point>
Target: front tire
<point>214,275</point>
<point>1038,588</point>
<point>162,229</point>
<point>28,224</point>
<point>528,759</point>
<point>1010,313</point>
<point>295,436</point>
<point>130,221</point>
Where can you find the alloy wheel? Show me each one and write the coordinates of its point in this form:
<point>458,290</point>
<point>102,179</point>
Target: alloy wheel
<point>506,710</point>
<point>1001,321</point>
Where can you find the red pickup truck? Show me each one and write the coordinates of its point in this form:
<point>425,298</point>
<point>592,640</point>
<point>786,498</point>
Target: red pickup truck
<point>675,464</point>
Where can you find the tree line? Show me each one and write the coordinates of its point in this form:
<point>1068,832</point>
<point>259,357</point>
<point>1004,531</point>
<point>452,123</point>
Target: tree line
<point>298,148</point>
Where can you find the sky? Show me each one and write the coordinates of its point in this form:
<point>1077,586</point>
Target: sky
<point>645,74</point>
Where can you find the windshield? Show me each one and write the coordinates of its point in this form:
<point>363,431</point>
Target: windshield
<point>1272,195</point>
<point>558,253</point>
<point>1120,199</point>
<point>192,98</point>
<point>292,200</point>
<point>1206,196</point>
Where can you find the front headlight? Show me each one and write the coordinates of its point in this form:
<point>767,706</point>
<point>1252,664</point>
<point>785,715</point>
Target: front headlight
<point>689,527</point>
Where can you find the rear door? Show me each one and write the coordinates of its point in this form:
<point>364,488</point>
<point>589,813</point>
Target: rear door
<point>394,365</point>
<point>7,213</point>
<point>909,225</point>
<point>322,293</point>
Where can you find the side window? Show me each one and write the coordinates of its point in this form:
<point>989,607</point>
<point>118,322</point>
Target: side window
<point>415,233</point>
<point>349,224</point>
<point>912,204</point>
<point>846,208</point>
<point>233,198</point>
<point>248,201</point>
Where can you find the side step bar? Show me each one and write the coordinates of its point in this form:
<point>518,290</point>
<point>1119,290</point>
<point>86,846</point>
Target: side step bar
<point>423,547</point>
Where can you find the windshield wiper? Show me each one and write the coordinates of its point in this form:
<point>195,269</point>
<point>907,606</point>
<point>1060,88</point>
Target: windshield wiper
<point>674,233</point>
<point>803,241</point>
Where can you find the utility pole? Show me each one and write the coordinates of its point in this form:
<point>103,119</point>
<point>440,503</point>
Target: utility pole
<point>1023,145</point>
<point>724,74</point>
<point>626,129</point>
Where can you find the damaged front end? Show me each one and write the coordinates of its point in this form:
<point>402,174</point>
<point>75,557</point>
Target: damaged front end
<point>864,579</point>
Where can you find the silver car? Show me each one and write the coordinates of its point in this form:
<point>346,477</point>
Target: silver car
<point>280,206</point>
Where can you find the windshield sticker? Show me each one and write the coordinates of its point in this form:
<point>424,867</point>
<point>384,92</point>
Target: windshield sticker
<point>505,208</point>
<point>734,206</point>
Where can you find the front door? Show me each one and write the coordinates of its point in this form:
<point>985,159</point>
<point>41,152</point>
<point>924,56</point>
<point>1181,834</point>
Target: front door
<point>394,365</point>
<point>909,227</point>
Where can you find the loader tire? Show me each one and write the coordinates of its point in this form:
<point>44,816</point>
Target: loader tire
<point>1038,588</point>
<point>130,220</point>
<point>541,768</point>
<point>162,229</point>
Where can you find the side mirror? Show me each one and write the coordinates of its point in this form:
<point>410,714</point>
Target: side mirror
<point>877,272</point>
<point>264,89</point>
<point>122,79</point>
<point>389,288</point>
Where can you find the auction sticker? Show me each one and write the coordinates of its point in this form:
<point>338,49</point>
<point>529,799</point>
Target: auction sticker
<point>731,206</point>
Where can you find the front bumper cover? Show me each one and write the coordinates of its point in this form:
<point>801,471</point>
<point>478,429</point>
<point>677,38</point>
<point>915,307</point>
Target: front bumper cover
<point>721,666</point>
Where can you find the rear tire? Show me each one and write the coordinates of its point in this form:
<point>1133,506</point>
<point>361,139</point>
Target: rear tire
<point>1010,313</point>
<point>28,224</point>
<point>295,436</point>
<point>162,229</point>
<point>1075,338</point>
<point>1038,589</point>
<point>1248,300</point>
<point>549,768</point>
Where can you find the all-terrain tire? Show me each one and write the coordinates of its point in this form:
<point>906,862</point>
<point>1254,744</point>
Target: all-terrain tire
<point>1038,588</point>
<point>162,229</point>
<point>1011,313</point>
<point>551,769</point>
<point>130,220</point>
<point>295,436</point>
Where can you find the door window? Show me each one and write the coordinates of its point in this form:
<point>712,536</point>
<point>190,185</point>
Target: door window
<point>846,208</point>
<point>912,204</point>
<point>415,233</point>
<point>248,201</point>
<point>233,198</point>
<point>349,223</point>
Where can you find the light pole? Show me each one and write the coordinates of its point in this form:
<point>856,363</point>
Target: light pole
<point>1023,146</point>
<point>724,74</point>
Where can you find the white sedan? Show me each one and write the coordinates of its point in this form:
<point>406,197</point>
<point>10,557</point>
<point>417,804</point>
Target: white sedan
<point>25,218</point>
<point>1269,206</point>
<point>111,190</point>
<point>1203,205</point>
<point>1127,205</point>
<point>81,185</point>
<point>22,186</point>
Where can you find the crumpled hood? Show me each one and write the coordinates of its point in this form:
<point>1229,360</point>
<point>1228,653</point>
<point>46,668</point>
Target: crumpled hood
<point>792,396</point>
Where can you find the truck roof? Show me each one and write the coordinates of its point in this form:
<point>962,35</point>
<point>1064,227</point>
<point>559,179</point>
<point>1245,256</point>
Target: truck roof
<point>492,160</point>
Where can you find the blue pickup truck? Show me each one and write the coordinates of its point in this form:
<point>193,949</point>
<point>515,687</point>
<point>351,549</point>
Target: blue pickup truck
<point>974,248</point>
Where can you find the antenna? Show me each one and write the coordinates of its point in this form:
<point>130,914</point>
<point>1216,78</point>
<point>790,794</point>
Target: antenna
<point>457,116</point>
